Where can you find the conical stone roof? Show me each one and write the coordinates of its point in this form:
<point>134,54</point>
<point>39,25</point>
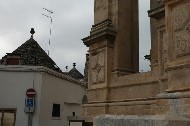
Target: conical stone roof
<point>74,73</point>
<point>32,54</point>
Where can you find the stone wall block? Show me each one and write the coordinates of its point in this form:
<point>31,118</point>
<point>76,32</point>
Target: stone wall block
<point>162,102</point>
<point>162,110</point>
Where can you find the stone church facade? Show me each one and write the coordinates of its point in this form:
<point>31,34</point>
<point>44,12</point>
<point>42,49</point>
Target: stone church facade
<point>115,85</point>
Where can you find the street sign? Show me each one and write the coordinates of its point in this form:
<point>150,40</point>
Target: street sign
<point>29,105</point>
<point>29,102</point>
<point>31,93</point>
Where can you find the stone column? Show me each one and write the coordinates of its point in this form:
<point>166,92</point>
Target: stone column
<point>178,37</point>
<point>113,48</point>
<point>124,17</point>
<point>101,46</point>
<point>124,14</point>
<point>154,35</point>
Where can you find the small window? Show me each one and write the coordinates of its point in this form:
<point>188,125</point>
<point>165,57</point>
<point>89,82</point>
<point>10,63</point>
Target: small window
<point>7,117</point>
<point>56,110</point>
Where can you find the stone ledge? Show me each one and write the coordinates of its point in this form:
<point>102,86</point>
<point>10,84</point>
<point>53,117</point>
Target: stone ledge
<point>172,2</point>
<point>120,103</point>
<point>181,65</point>
<point>175,95</point>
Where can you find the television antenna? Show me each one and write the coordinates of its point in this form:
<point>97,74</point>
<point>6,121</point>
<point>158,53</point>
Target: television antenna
<point>51,21</point>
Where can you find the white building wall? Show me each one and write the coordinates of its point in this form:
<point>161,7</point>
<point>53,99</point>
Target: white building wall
<point>13,86</point>
<point>60,91</point>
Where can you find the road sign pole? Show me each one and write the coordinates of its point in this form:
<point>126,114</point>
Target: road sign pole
<point>30,117</point>
<point>30,104</point>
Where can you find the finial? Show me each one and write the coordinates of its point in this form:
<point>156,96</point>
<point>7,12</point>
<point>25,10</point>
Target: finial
<point>87,57</point>
<point>66,68</point>
<point>32,32</point>
<point>74,64</point>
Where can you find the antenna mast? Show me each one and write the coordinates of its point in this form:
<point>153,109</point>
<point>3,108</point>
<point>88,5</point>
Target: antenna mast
<point>50,17</point>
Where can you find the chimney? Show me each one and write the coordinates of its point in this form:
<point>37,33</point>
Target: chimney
<point>12,59</point>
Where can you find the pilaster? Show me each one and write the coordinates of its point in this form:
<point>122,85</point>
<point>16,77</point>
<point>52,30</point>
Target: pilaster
<point>178,37</point>
<point>100,43</point>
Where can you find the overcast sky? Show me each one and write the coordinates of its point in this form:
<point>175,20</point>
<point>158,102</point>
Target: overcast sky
<point>72,21</point>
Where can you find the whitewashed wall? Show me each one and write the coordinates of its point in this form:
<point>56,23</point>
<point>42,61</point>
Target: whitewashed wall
<point>59,91</point>
<point>13,86</point>
<point>49,88</point>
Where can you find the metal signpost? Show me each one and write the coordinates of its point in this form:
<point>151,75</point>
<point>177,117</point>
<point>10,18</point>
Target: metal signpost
<point>30,104</point>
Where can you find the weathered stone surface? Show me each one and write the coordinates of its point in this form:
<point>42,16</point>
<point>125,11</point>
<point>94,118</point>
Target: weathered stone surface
<point>111,120</point>
<point>165,89</point>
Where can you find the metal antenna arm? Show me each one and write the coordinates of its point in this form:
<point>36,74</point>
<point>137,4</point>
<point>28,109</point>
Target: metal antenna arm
<point>47,16</point>
<point>48,10</point>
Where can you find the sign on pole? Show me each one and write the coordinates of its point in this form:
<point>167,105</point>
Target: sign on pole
<point>29,105</point>
<point>31,93</point>
<point>30,100</point>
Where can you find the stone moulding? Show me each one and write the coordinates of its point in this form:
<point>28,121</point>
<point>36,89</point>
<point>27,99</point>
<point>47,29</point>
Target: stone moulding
<point>121,103</point>
<point>135,84</point>
<point>176,67</point>
<point>175,95</point>
<point>100,31</point>
<point>171,2</point>
<point>139,100</point>
<point>157,12</point>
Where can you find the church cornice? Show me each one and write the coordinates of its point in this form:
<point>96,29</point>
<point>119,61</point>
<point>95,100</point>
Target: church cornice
<point>157,12</point>
<point>100,31</point>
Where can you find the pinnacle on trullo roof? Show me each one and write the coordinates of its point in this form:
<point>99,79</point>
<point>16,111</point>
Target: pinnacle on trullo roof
<point>75,73</point>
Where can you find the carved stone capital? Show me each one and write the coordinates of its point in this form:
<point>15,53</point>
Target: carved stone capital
<point>100,31</point>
